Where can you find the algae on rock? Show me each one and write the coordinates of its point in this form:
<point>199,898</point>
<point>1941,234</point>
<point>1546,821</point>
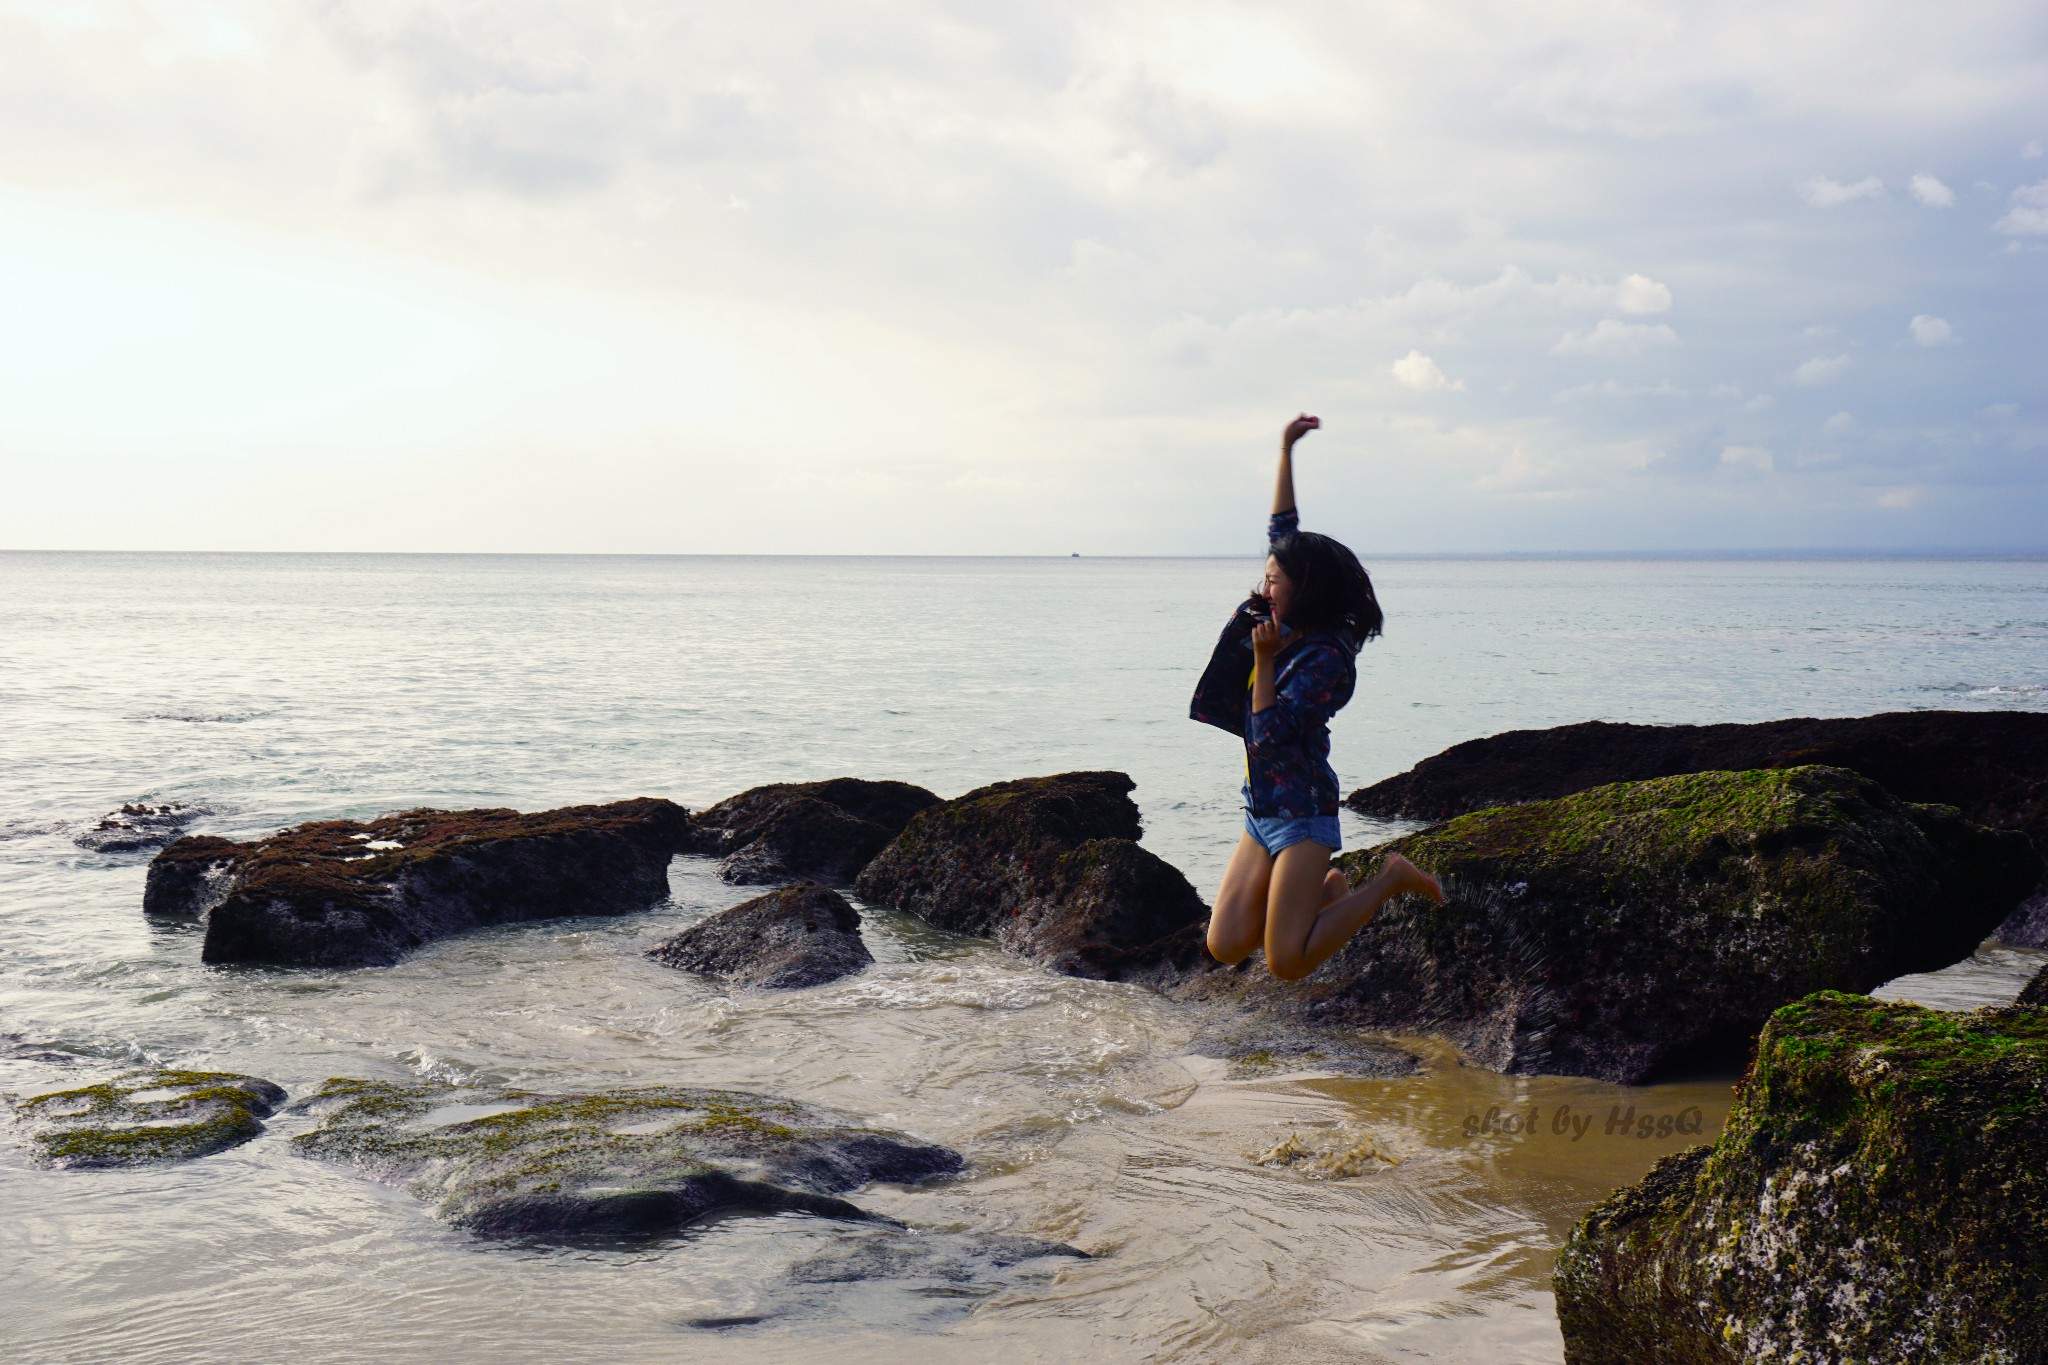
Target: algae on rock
<point>147,1117</point>
<point>1641,927</point>
<point>606,1164</point>
<point>346,893</point>
<point>1879,1195</point>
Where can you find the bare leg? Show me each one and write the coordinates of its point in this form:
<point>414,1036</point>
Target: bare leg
<point>1238,924</point>
<point>1304,929</point>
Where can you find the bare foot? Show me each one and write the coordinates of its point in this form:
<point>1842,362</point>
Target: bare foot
<point>1335,887</point>
<point>1412,879</point>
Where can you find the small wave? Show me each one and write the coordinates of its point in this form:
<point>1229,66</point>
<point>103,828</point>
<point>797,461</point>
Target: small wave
<point>2008,690</point>
<point>194,718</point>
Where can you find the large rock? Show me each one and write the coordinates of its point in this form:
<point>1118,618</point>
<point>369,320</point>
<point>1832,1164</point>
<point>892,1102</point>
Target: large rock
<point>615,1163</point>
<point>344,893</point>
<point>797,831</point>
<point>1991,765</point>
<point>1645,927</point>
<point>1050,868</point>
<point>1879,1195</point>
<point>135,827</point>
<point>148,1117</point>
<point>792,937</point>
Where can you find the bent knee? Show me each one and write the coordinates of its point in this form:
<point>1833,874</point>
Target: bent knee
<point>1228,950</point>
<point>1288,967</point>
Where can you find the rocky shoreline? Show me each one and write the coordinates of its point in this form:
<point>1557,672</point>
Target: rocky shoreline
<point>1623,902</point>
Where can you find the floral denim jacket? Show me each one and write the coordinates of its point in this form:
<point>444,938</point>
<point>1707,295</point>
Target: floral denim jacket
<point>1287,746</point>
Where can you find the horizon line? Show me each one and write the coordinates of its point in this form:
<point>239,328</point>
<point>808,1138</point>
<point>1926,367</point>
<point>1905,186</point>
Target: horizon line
<point>1778,552</point>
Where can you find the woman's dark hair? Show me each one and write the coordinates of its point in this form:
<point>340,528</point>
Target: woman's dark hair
<point>1332,591</point>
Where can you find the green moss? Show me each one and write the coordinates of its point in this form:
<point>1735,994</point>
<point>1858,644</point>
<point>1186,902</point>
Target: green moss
<point>1880,1191</point>
<point>583,1150</point>
<point>105,1125</point>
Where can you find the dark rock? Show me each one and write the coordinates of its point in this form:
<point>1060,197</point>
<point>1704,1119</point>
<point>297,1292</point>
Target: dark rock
<point>796,936</point>
<point>1880,1193</point>
<point>2035,992</point>
<point>611,1164</point>
<point>343,893</point>
<point>1644,928</point>
<point>1991,765</point>
<point>794,831</point>
<point>148,1117</point>
<point>1050,868</point>
<point>136,827</point>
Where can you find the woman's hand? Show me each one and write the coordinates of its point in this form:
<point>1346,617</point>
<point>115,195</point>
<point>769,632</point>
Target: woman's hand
<point>1266,638</point>
<point>1298,428</point>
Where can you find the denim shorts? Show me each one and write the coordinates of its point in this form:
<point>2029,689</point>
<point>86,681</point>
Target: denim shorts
<point>1275,832</point>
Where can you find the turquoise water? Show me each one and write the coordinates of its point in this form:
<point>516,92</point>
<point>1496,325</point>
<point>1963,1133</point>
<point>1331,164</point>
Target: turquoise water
<point>273,689</point>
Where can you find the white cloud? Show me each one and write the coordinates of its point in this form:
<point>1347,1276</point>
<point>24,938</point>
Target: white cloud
<point>1417,371</point>
<point>965,240</point>
<point>1824,193</point>
<point>1928,330</point>
<point>1641,294</point>
<point>2030,151</point>
<point>1931,192</point>
<point>1613,337</point>
<point>2028,216</point>
<point>2000,409</point>
<point>1840,424</point>
<point>1899,499</point>
<point>1748,457</point>
<point>1822,369</point>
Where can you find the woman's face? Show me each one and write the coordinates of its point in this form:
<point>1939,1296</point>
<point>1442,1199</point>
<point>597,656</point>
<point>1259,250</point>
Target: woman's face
<point>1277,588</point>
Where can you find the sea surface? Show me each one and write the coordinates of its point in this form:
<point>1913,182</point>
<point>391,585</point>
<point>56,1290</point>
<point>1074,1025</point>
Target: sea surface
<point>276,689</point>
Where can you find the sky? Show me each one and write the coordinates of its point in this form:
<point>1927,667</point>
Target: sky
<point>917,277</point>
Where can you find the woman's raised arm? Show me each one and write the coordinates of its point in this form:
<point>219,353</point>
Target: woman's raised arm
<point>1283,487</point>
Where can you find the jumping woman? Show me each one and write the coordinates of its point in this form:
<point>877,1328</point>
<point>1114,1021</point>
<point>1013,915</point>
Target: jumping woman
<point>1286,663</point>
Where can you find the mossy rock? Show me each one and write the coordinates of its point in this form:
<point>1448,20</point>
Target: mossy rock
<point>806,831</point>
<point>626,1163</point>
<point>148,1117</point>
<point>1879,1195</point>
<point>1645,928</point>
<point>1050,868</point>
<point>1991,765</point>
<point>348,893</point>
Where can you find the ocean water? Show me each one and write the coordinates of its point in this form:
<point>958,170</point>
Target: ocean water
<point>275,689</point>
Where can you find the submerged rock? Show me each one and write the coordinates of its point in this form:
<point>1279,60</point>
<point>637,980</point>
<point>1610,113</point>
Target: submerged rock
<point>1262,1047</point>
<point>148,1117</point>
<point>796,936</point>
<point>913,1278</point>
<point>793,831</point>
<point>136,827</point>
<point>347,893</point>
<point>1991,765</point>
<point>1638,928</point>
<point>608,1164</point>
<point>1880,1194</point>
<point>1050,868</point>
